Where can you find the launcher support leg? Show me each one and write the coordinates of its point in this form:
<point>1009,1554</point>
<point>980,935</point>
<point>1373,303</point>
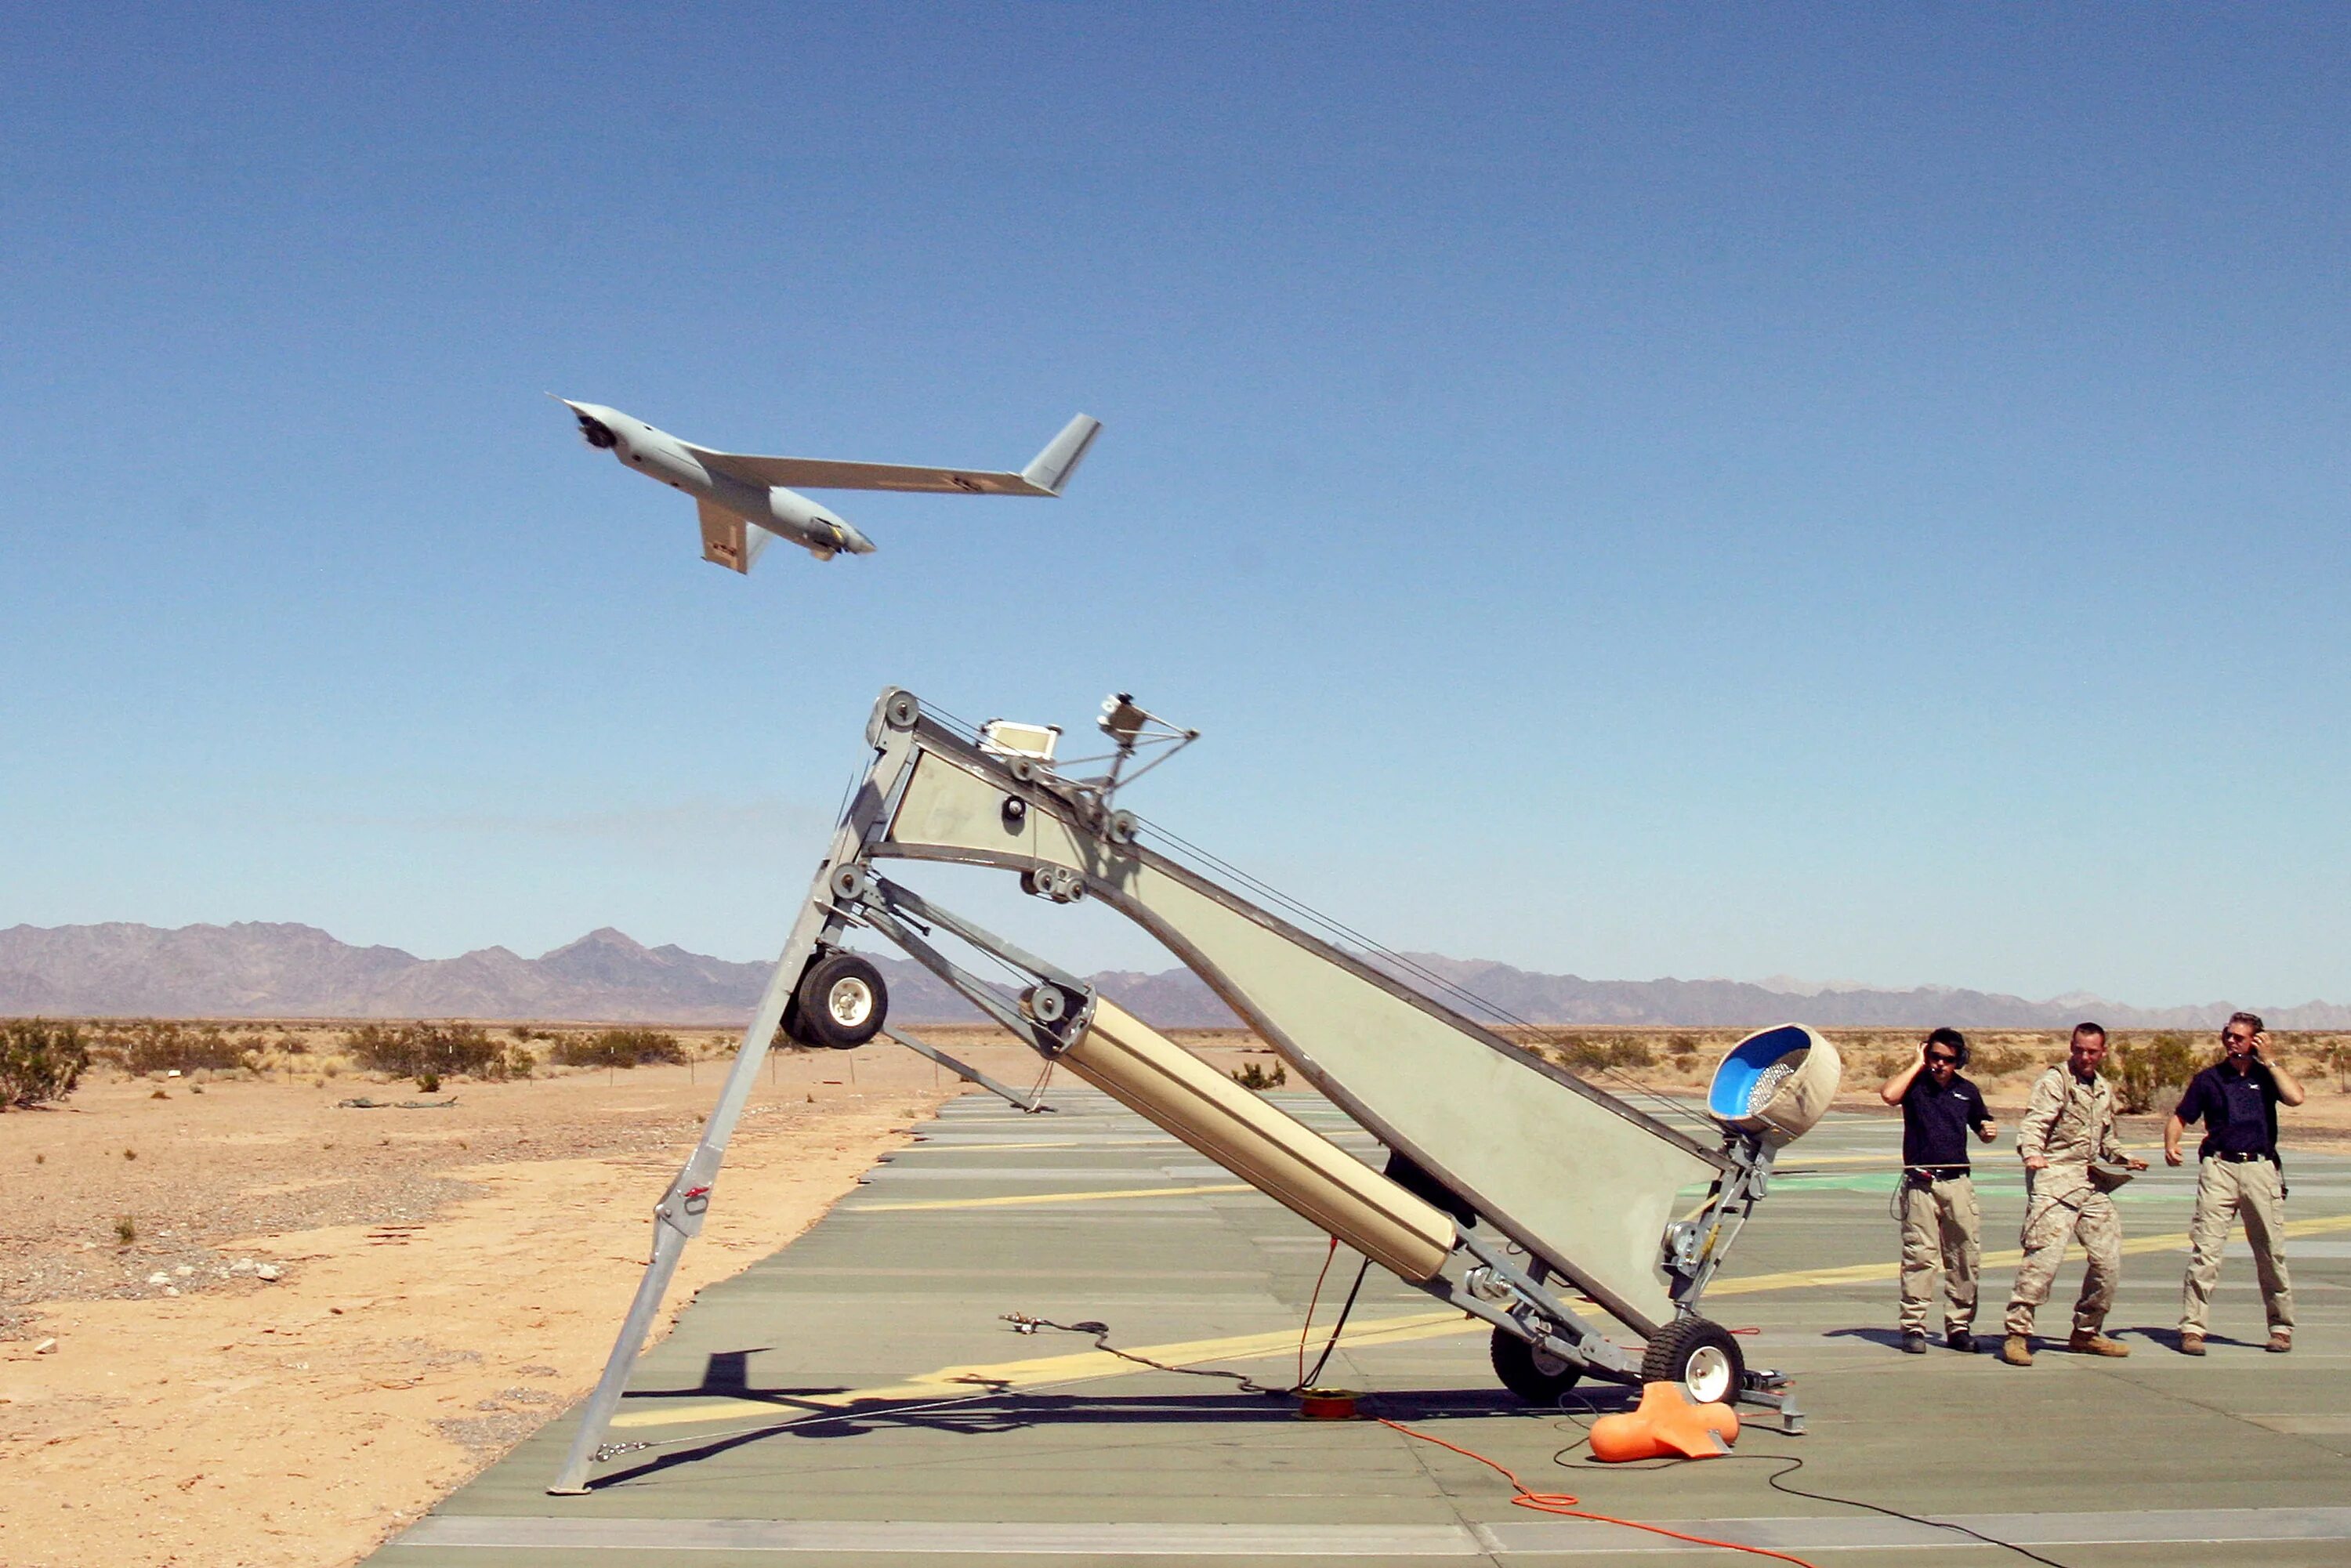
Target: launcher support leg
<point>677,1217</point>
<point>669,1246</point>
<point>1028,1105</point>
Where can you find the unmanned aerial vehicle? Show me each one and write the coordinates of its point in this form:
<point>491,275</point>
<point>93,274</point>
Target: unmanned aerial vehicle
<point>743,501</point>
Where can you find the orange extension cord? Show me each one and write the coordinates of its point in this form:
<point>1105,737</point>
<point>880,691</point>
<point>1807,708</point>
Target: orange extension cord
<point>1558,1502</point>
<point>1564,1503</point>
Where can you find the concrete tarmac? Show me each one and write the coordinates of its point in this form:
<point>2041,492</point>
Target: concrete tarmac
<point>859,1397</point>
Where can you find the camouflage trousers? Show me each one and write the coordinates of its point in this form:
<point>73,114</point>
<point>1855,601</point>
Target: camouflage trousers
<point>2225,1190</point>
<point>2065,1207</point>
<point>1941,1230</point>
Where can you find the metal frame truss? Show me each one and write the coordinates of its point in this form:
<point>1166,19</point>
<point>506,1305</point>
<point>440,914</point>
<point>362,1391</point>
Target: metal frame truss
<point>1489,1273</point>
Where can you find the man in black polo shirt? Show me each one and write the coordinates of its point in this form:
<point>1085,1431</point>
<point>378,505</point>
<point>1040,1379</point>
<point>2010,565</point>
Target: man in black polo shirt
<point>2236,1172</point>
<point>1940,1222</point>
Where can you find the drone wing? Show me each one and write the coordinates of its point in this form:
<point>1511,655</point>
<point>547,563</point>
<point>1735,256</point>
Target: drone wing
<point>1045,477</point>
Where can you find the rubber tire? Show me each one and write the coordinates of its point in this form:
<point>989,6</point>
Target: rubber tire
<point>1679,1343</point>
<point>1519,1365</point>
<point>814,1020</point>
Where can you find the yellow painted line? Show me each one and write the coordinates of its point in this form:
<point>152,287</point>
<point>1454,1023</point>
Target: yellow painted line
<point>1064,1144</point>
<point>1023,1200</point>
<point>1871,1273</point>
<point>950,1381</point>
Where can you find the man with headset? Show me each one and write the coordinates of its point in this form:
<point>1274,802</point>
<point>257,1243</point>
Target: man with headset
<point>2237,1174</point>
<point>1941,1225</point>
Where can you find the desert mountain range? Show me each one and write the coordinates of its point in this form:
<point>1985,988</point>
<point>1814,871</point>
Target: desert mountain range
<point>275,971</point>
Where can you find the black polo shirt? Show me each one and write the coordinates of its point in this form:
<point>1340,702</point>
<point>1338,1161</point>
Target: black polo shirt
<point>2235,1108</point>
<point>1935,1122</point>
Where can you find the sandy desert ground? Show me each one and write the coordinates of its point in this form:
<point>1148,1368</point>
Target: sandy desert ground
<point>245,1326</point>
<point>444,1280</point>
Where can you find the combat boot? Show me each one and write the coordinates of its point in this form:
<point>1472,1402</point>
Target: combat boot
<point>2280,1341</point>
<point>2017,1349</point>
<point>2191,1344</point>
<point>2090,1341</point>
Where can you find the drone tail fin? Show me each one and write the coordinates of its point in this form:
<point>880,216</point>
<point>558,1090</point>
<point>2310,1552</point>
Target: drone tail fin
<point>1060,460</point>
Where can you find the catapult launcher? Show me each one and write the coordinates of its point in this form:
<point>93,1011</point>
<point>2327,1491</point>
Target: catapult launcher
<point>1513,1190</point>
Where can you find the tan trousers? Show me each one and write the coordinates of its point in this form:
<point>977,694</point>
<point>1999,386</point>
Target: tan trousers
<point>2063,1206</point>
<point>2224,1190</point>
<point>1941,1235</point>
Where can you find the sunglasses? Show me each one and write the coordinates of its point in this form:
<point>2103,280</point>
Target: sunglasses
<point>1940,1060</point>
<point>2238,1039</point>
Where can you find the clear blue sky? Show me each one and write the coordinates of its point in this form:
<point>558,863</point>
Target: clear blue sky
<point>1848,492</point>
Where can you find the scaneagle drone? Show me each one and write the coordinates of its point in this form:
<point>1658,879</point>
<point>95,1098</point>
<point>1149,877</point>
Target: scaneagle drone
<point>744,502</point>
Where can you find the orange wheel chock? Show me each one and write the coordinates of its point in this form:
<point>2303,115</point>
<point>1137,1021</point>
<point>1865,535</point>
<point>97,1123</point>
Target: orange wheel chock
<point>1663,1426</point>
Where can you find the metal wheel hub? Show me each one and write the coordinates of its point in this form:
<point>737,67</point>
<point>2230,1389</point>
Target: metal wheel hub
<point>849,1001</point>
<point>1707,1377</point>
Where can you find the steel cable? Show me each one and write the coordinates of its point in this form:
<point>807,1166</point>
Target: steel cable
<point>1331,926</point>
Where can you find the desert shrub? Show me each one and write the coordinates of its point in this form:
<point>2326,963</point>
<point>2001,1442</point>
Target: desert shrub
<point>428,1083</point>
<point>1997,1061</point>
<point>410,1050</point>
<point>39,1061</point>
<point>1577,1053</point>
<point>1575,1050</point>
<point>1630,1052</point>
<point>2147,1073</point>
<point>141,1046</point>
<point>1251,1075</point>
<point>618,1048</point>
<point>1682,1048</point>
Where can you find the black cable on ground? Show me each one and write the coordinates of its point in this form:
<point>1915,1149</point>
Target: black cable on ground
<point>1790,1465</point>
<point>1795,1462</point>
<point>1100,1333</point>
<point>1315,1376</point>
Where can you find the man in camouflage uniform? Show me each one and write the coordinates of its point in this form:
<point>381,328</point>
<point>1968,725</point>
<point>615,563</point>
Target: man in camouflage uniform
<point>2069,1123</point>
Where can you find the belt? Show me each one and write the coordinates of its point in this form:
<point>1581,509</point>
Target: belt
<point>2236,1159</point>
